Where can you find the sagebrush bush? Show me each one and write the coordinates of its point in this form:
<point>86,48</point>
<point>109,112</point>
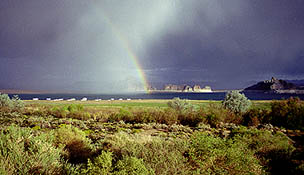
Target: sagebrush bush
<point>287,113</point>
<point>75,111</point>
<point>76,146</point>
<point>10,105</point>
<point>179,105</point>
<point>164,116</point>
<point>5,101</point>
<point>191,118</point>
<point>74,107</point>
<point>236,102</point>
<point>123,115</point>
<point>157,154</point>
<point>255,117</point>
<point>274,150</point>
<point>18,104</point>
<point>215,114</point>
<point>24,152</point>
<point>102,164</point>
<point>214,155</point>
<point>131,166</point>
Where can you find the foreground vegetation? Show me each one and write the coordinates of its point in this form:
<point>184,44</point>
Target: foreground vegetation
<point>235,136</point>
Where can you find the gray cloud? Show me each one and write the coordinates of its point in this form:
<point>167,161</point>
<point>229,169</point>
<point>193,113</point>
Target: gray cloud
<point>235,40</point>
<point>85,45</point>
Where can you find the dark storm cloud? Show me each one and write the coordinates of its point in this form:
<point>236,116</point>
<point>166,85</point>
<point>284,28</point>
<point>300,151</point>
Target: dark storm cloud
<point>234,40</point>
<point>27,26</point>
<point>62,45</point>
<point>85,45</point>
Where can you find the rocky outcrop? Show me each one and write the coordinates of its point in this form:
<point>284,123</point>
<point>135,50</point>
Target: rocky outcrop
<point>186,88</point>
<point>196,88</point>
<point>273,86</point>
<point>173,87</point>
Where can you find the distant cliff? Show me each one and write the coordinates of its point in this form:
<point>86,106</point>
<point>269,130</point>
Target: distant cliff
<point>274,86</point>
<point>186,88</point>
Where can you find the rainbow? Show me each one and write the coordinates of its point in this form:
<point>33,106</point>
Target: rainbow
<point>130,52</point>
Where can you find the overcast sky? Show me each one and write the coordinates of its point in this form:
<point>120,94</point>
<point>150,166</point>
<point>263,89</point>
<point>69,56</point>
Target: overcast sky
<point>78,45</point>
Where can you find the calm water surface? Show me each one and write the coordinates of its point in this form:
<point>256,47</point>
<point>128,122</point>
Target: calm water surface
<point>190,96</point>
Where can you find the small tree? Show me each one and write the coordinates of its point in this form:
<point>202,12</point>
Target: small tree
<point>178,104</point>
<point>236,102</point>
<point>9,105</point>
<point>5,101</point>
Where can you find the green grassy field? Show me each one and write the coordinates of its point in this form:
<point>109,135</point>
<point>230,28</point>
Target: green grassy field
<point>140,103</point>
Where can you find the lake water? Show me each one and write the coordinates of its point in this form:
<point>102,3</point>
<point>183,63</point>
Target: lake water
<point>162,95</point>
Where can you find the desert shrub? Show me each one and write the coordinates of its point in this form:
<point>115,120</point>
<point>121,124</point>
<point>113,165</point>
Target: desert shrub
<point>254,117</point>
<point>179,105</point>
<point>236,102</point>
<point>131,166</point>
<point>166,116</point>
<point>102,164</point>
<point>74,142</point>
<point>10,105</point>
<point>214,155</point>
<point>75,111</point>
<point>23,151</point>
<point>274,150</point>
<point>192,117</point>
<point>58,112</point>
<point>216,114</point>
<point>80,115</point>
<point>146,116</point>
<point>188,116</point>
<point>5,102</point>
<point>135,116</point>
<point>37,110</point>
<point>288,113</point>
<point>123,115</point>
<point>74,107</point>
<point>18,104</point>
<point>157,154</point>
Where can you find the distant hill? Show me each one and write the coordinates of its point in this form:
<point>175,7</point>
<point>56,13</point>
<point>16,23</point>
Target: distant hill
<point>275,86</point>
<point>297,82</point>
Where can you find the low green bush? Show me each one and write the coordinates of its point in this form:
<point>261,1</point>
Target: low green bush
<point>74,107</point>
<point>236,102</point>
<point>179,105</point>
<point>163,116</point>
<point>131,166</point>
<point>216,114</point>
<point>23,151</point>
<point>287,113</point>
<point>145,116</point>
<point>102,164</point>
<point>125,115</point>
<point>255,117</point>
<point>157,154</point>
<point>274,150</point>
<point>75,111</point>
<point>166,116</point>
<point>76,145</point>
<point>105,164</point>
<point>191,118</point>
<point>10,105</point>
<point>214,155</point>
